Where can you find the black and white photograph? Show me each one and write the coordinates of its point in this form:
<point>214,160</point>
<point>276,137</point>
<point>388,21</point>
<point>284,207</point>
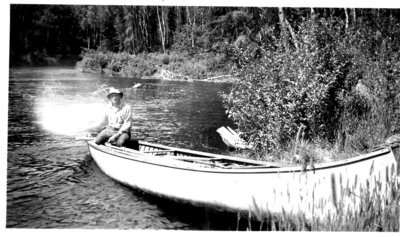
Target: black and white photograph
<point>201,117</point>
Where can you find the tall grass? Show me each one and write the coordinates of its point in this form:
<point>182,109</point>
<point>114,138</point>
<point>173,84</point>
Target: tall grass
<point>374,207</point>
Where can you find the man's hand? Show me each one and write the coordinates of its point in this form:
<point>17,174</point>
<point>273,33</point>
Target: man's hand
<point>91,134</point>
<point>114,138</point>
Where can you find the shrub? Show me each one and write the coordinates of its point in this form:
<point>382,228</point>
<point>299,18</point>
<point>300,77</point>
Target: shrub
<point>165,59</point>
<point>314,84</point>
<point>88,61</point>
<point>115,65</point>
<point>371,108</point>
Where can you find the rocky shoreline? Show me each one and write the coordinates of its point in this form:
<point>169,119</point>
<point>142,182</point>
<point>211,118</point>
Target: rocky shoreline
<point>164,74</point>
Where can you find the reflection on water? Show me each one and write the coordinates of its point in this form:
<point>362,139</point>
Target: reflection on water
<point>52,181</point>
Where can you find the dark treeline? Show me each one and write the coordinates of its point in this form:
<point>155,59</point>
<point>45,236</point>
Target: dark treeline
<point>51,33</point>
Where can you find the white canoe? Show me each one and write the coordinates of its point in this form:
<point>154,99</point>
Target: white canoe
<point>243,185</point>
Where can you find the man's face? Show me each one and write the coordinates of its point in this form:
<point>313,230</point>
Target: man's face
<point>115,98</point>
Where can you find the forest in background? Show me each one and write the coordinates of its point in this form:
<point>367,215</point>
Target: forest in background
<point>45,34</point>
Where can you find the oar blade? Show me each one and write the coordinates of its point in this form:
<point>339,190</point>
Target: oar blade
<point>84,138</point>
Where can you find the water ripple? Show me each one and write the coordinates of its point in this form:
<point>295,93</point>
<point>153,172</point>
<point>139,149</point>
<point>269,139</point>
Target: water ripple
<point>52,181</point>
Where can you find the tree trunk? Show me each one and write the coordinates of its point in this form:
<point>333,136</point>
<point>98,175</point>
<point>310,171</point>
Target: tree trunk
<point>165,30</point>
<point>285,27</point>
<point>282,21</point>
<point>142,26</point>
<point>161,27</point>
<point>88,38</point>
<point>191,25</point>
<point>294,38</point>
<point>347,19</point>
<point>26,41</point>
<point>353,12</point>
<point>144,20</point>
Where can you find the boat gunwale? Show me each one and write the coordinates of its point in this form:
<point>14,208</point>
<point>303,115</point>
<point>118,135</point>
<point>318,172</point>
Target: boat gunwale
<point>256,170</point>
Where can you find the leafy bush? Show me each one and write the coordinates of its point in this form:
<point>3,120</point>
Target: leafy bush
<point>89,61</point>
<point>165,59</point>
<point>372,108</point>
<point>312,81</point>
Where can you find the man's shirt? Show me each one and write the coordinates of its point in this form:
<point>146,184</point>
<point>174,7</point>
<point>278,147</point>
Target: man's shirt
<point>119,118</point>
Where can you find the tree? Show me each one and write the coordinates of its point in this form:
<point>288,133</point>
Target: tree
<point>108,31</point>
<point>161,25</point>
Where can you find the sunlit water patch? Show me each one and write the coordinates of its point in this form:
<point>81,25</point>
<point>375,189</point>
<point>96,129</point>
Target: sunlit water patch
<point>69,118</point>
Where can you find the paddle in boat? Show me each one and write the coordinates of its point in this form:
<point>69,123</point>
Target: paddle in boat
<point>243,185</point>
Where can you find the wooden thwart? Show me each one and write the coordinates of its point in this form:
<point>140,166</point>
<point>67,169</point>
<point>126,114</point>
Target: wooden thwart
<point>159,151</point>
<point>84,138</point>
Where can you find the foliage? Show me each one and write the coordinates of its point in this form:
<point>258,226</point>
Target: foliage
<point>150,64</point>
<point>314,81</point>
<point>371,109</point>
<point>67,29</point>
<point>114,63</point>
<point>165,59</point>
<point>42,35</point>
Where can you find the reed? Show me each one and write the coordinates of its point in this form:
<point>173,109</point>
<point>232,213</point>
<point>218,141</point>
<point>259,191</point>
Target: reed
<point>375,208</point>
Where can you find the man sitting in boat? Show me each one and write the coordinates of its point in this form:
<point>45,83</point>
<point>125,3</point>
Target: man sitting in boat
<point>118,114</point>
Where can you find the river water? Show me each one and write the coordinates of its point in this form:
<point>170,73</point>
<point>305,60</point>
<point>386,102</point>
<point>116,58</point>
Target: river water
<point>52,181</point>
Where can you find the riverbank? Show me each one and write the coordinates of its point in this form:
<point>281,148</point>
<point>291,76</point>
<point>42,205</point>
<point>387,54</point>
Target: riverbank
<point>172,66</point>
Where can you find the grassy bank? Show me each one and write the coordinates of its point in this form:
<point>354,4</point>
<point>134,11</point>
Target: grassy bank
<point>173,66</point>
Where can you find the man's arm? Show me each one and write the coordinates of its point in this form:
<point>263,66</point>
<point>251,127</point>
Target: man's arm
<point>126,126</point>
<point>100,125</point>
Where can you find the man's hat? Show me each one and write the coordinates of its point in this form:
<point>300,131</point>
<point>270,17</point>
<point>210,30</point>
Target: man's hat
<point>114,91</point>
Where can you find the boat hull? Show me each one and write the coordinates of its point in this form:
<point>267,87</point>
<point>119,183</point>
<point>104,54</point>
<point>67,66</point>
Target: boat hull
<point>259,190</point>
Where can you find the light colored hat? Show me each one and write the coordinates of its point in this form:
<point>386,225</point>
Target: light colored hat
<point>114,91</point>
